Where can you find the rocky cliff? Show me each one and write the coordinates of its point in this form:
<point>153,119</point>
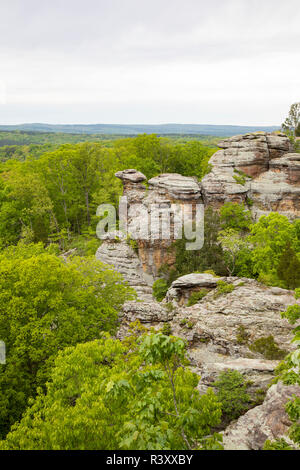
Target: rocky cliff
<point>221,328</point>
<point>256,169</point>
<point>261,171</point>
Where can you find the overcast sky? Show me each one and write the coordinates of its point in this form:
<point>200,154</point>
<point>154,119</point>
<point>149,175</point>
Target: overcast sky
<point>149,61</point>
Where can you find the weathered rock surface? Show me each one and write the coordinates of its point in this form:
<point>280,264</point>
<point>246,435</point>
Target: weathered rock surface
<point>116,252</point>
<point>149,312</point>
<point>267,421</point>
<point>213,325</point>
<point>278,189</point>
<point>182,288</point>
<point>176,186</point>
<point>255,167</point>
<point>154,215</point>
<point>220,186</point>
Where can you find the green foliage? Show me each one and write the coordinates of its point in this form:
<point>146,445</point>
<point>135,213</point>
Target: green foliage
<point>267,347</point>
<point>249,201</point>
<point>160,287</point>
<point>235,216</point>
<point>186,323</point>
<point>208,259</point>
<point>269,238</point>
<point>279,444</point>
<point>223,288</point>
<point>288,269</point>
<point>108,394</point>
<point>232,393</point>
<point>240,177</point>
<point>196,296</point>
<point>166,329</point>
<point>133,244</point>
<point>293,410</point>
<point>46,305</point>
<point>292,313</point>
<point>232,244</point>
<point>52,195</point>
<point>210,271</point>
<point>289,373</point>
<point>242,336</point>
<point>292,122</point>
<point>169,307</point>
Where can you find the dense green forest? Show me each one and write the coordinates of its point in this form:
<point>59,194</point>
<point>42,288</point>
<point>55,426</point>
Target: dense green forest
<point>53,196</point>
<point>68,383</point>
<point>20,144</point>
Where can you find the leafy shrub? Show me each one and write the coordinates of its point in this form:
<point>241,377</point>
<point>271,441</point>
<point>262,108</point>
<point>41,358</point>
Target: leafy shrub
<point>166,329</point>
<point>240,177</point>
<point>232,394</point>
<point>160,288</point>
<point>235,216</point>
<point>197,296</point>
<point>223,288</point>
<point>279,444</point>
<point>242,335</point>
<point>267,347</point>
<point>187,323</point>
<point>133,244</point>
<point>292,313</point>
<point>288,269</point>
<point>249,201</point>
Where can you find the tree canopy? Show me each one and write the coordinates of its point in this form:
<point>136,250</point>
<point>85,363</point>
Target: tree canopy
<point>111,394</point>
<point>47,304</point>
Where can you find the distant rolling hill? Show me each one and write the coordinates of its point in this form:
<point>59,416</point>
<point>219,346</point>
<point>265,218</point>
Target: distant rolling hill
<point>134,129</point>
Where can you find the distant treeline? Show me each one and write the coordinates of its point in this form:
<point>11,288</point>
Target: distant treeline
<point>19,145</point>
<point>135,129</point>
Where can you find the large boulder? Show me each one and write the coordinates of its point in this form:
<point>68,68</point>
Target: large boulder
<point>176,186</point>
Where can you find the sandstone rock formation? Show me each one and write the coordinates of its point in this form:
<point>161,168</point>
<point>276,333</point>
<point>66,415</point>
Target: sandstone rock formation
<point>214,325</point>
<point>220,328</point>
<point>267,421</point>
<point>258,169</point>
<point>148,209</point>
<point>255,169</point>
<point>116,251</point>
<point>182,288</point>
<point>278,189</point>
